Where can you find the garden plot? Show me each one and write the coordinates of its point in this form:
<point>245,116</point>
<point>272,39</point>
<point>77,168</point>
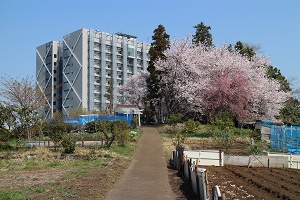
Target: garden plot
<point>255,183</point>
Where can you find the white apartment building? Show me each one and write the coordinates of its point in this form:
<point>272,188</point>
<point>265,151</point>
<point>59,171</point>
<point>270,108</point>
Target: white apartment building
<point>76,72</point>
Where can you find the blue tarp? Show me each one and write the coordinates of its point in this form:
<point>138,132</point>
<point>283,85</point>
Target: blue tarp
<point>83,119</point>
<point>285,138</point>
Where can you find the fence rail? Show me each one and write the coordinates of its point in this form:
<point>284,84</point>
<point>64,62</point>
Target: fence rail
<point>79,142</point>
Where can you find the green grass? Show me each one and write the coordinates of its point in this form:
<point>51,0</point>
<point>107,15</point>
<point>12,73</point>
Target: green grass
<point>37,189</point>
<point>65,192</point>
<point>207,131</point>
<point>77,173</point>
<point>53,164</point>
<point>123,151</point>
<point>14,195</point>
<point>69,194</point>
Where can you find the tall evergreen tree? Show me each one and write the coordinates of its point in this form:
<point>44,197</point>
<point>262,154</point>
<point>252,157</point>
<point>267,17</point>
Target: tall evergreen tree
<point>275,74</point>
<point>109,95</point>
<point>202,35</point>
<point>160,43</point>
<point>245,50</point>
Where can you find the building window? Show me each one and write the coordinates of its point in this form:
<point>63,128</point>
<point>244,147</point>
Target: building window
<point>131,50</point>
<point>54,55</point>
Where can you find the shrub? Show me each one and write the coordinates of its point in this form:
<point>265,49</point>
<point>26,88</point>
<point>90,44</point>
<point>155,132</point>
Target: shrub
<point>111,130</point>
<point>224,123</point>
<point>5,134</point>
<point>122,137</point>
<point>134,122</point>
<point>174,119</point>
<point>91,127</point>
<point>256,135</point>
<point>191,126</point>
<point>68,144</point>
<point>254,150</point>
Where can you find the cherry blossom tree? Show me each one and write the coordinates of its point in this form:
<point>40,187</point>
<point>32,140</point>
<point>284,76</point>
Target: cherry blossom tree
<point>135,89</point>
<point>216,80</point>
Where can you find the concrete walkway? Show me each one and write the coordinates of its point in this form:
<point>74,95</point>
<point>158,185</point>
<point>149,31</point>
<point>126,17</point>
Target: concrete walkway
<point>147,175</point>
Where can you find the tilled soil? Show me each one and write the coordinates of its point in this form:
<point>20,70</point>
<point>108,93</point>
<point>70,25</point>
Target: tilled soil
<point>240,182</point>
<point>255,183</point>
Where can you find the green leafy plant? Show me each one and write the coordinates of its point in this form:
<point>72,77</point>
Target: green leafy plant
<point>256,135</point>
<point>38,189</point>
<point>254,150</point>
<point>224,122</point>
<point>134,122</point>
<point>57,130</point>
<point>69,145</point>
<point>122,137</point>
<point>14,195</point>
<point>111,130</point>
<point>191,126</point>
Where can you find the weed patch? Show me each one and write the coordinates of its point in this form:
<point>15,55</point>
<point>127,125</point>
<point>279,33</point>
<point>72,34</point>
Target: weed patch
<point>14,195</point>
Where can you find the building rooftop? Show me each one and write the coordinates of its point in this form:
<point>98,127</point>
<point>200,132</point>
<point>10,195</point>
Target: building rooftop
<point>126,35</point>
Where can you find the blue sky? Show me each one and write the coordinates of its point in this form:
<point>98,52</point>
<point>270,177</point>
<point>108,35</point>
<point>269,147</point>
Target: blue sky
<point>274,25</point>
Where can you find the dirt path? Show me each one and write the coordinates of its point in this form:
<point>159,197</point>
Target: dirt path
<point>147,175</point>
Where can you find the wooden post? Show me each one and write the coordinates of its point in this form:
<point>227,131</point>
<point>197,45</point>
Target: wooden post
<point>223,197</point>
<point>189,166</point>
<point>268,163</point>
<point>220,157</point>
<point>197,181</point>
<point>182,164</point>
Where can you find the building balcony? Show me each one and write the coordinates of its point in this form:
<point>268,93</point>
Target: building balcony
<point>97,49</point>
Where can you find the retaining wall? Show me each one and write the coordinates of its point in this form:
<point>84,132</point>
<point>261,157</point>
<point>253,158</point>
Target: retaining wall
<point>257,161</point>
<point>293,159</point>
<point>205,157</point>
